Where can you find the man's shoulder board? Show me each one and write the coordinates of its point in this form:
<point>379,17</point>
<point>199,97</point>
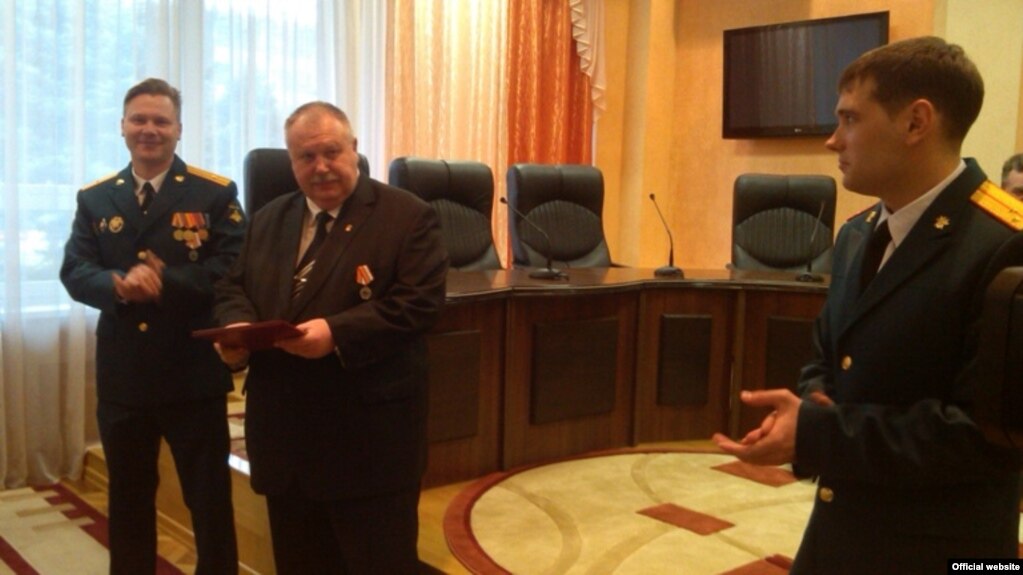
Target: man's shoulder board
<point>865,213</point>
<point>209,176</point>
<point>95,183</point>
<point>1002,205</point>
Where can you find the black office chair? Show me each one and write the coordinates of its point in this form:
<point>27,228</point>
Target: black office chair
<point>267,174</point>
<point>462,193</point>
<point>564,205</point>
<point>774,218</point>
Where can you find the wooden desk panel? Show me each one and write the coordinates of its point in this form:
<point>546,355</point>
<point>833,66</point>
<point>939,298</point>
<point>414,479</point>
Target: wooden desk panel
<point>526,370</point>
<point>671,358</point>
<point>596,332</point>
<point>466,375</point>
<point>775,342</point>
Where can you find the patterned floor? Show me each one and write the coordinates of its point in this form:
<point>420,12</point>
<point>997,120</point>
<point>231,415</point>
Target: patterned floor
<point>53,531</point>
<point>632,513</point>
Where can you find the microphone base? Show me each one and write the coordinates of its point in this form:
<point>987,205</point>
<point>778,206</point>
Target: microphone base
<point>548,274</point>
<point>809,277</point>
<point>669,272</point>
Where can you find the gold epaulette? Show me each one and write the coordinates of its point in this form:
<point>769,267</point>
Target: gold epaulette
<point>105,178</point>
<point>1000,204</point>
<point>215,178</point>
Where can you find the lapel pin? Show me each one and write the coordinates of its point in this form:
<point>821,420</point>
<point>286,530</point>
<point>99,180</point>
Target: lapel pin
<point>119,181</point>
<point>941,222</point>
<point>348,227</point>
<point>871,216</point>
<point>179,178</point>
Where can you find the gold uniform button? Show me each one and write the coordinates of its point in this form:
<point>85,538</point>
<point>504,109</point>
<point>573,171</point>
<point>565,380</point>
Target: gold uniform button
<point>142,255</point>
<point>143,327</point>
<point>826,495</point>
<point>846,363</point>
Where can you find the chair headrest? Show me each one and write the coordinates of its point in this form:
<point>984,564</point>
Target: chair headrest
<point>267,174</point>
<point>755,193</point>
<point>574,183</point>
<point>464,182</point>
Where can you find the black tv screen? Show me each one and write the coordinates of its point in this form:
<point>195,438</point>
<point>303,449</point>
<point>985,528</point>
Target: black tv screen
<point>782,80</point>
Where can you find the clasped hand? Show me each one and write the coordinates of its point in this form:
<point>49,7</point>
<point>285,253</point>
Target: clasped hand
<point>143,282</point>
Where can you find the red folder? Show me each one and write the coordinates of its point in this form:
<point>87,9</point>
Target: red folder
<point>253,336</point>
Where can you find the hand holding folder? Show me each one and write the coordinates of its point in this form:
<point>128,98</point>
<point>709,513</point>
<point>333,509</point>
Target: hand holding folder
<point>251,336</point>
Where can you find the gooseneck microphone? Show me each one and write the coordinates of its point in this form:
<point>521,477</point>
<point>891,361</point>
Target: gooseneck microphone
<point>669,270</point>
<point>548,273</point>
<point>808,275</point>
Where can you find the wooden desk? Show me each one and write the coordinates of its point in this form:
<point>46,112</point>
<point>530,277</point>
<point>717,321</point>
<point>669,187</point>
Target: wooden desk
<point>526,370</point>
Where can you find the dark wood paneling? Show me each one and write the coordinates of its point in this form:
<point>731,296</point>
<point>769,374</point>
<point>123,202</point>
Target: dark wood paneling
<point>777,341</point>
<point>454,385</point>
<point>789,347</point>
<point>640,359</point>
<point>683,368</point>
<point>661,354</point>
<point>574,367</point>
<point>529,442</point>
<point>469,446</point>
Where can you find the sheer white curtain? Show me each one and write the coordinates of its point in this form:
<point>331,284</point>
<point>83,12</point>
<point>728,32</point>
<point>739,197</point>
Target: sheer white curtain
<point>65,65</point>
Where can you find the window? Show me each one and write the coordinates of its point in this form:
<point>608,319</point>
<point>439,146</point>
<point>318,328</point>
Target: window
<point>241,66</point>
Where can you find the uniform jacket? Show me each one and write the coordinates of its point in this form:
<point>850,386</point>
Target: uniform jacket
<point>899,454</point>
<point>352,423</point>
<point>145,352</point>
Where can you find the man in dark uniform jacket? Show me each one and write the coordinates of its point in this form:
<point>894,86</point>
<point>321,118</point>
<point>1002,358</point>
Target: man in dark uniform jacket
<point>906,479</point>
<point>146,247</point>
<point>336,417</point>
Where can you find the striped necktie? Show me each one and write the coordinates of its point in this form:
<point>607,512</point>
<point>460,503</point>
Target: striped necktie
<point>305,266</point>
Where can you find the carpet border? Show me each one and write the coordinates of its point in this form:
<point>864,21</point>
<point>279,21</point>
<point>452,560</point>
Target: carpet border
<point>10,557</point>
<point>96,530</point>
<point>458,531</point>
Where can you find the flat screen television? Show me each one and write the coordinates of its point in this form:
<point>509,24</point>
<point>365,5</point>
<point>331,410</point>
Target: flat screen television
<point>781,80</point>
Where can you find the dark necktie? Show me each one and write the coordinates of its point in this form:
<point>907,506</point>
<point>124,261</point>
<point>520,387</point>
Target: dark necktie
<point>309,257</point>
<point>876,246</point>
<point>147,196</point>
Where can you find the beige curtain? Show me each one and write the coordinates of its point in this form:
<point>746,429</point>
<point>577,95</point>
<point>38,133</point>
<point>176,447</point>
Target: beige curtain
<point>447,94</point>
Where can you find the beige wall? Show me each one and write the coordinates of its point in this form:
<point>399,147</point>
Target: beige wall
<point>974,26</point>
<point>662,131</point>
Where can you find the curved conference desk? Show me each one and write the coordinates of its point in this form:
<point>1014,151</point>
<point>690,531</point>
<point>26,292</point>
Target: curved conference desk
<point>525,370</point>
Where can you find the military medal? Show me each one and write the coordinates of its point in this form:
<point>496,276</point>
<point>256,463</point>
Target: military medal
<point>364,277</point>
<point>192,228</point>
<point>193,255</point>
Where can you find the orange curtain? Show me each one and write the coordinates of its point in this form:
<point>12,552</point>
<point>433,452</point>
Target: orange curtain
<point>550,114</point>
<point>496,81</point>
